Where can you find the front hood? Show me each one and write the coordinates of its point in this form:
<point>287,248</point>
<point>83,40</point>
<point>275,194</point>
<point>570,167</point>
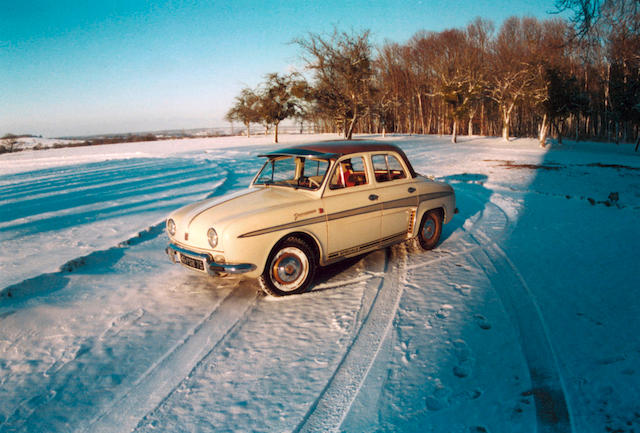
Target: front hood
<point>219,212</point>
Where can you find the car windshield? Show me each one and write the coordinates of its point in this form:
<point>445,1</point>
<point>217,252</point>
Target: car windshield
<point>293,171</point>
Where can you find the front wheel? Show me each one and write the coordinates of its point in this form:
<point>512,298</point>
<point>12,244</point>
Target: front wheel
<point>290,268</point>
<point>430,229</point>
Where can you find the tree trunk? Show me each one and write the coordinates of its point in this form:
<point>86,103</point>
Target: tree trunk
<point>352,125</point>
<point>454,133</point>
<point>470,127</point>
<point>248,125</point>
<point>506,119</point>
<point>544,129</point>
<point>275,136</point>
<point>505,127</point>
<point>558,131</point>
<point>421,111</point>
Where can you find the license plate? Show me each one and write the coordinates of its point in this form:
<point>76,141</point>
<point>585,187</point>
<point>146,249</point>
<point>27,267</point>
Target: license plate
<point>191,262</point>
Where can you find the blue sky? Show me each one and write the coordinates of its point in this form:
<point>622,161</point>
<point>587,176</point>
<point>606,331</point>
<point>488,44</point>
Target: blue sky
<point>90,67</point>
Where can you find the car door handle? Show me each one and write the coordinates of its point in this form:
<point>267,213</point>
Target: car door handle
<point>373,197</point>
<point>412,189</point>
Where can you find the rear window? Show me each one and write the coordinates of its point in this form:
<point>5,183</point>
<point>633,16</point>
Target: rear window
<point>387,167</point>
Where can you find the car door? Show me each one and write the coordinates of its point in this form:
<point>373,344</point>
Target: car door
<point>397,194</point>
<point>353,211</point>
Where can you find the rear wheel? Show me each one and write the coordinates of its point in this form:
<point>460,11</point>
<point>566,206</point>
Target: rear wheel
<point>430,229</point>
<point>290,268</point>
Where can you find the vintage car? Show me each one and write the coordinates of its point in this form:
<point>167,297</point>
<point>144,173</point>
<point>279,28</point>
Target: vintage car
<point>309,206</point>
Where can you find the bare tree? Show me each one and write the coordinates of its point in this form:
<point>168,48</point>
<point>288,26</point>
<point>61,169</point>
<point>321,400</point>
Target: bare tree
<point>511,74</point>
<point>9,141</point>
<point>342,74</point>
<point>393,86</point>
<point>245,109</point>
<point>277,100</point>
<point>532,78</point>
<point>587,13</point>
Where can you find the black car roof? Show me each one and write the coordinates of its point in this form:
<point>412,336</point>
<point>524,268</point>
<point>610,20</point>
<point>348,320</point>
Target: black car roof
<point>336,149</point>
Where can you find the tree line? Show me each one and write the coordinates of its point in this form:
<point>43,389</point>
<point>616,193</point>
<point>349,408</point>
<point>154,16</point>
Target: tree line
<point>531,77</point>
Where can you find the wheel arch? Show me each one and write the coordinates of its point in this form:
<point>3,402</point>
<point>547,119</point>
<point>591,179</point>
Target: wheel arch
<point>423,209</point>
<point>308,238</point>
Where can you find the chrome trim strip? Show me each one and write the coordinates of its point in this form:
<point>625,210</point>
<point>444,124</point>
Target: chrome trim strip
<point>402,202</point>
<point>315,220</point>
<point>239,268</point>
<point>369,245</point>
<point>300,223</point>
<point>434,195</point>
<point>193,254</point>
<point>353,212</point>
<point>212,268</point>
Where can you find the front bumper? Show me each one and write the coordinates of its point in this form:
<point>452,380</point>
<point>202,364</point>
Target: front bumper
<point>209,265</point>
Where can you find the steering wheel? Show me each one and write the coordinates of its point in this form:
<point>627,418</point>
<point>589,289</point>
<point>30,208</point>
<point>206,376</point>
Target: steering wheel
<point>307,182</point>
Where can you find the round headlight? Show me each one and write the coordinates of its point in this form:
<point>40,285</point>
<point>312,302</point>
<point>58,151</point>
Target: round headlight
<point>171,227</point>
<point>213,237</point>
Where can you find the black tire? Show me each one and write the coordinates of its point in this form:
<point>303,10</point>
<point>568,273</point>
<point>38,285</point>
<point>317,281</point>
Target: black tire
<point>290,269</point>
<point>430,229</point>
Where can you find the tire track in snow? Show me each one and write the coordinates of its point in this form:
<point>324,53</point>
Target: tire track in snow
<point>334,402</point>
<point>548,391</point>
<point>166,374</point>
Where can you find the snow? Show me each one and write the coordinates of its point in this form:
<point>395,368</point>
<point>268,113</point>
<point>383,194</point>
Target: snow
<point>525,318</point>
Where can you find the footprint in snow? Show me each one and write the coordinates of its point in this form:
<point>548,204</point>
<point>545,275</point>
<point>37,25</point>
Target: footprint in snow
<point>442,397</point>
<point>464,367</point>
<point>482,322</point>
<point>444,311</point>
<point>461,371</point>
<point>439,399</point>
<point>408,354</point>
<point>463,289</point>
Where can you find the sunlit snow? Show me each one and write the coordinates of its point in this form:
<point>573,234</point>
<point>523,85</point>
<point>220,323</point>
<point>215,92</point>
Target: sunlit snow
<point>525,318</point>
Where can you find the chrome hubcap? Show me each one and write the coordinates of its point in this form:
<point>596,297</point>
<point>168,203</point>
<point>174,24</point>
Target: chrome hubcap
<point>428,229</point>
<point>289,269</point>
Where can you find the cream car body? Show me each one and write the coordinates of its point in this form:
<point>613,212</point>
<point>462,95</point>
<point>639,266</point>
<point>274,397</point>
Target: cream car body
<point>338,199</point>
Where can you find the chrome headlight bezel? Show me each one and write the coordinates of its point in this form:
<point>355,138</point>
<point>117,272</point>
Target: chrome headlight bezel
<point>171,227</point>
<point>212,237</point>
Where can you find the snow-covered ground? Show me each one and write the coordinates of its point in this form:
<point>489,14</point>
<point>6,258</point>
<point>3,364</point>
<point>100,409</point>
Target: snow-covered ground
<point>525,318</point>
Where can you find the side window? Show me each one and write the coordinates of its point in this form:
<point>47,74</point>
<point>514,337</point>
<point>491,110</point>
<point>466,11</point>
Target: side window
<point>387,167</point>
<point>380,168</point>
<point>395,168</point>
<point>349,172</point>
